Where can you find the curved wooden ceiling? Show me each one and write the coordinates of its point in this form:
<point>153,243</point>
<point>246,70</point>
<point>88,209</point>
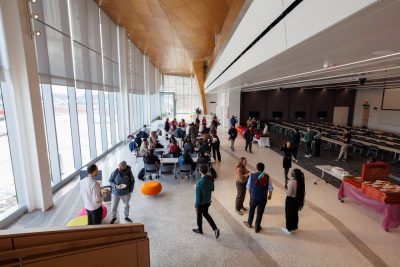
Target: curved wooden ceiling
<point>174,33</point>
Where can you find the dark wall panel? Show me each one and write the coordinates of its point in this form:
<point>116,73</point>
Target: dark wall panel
<point>289,101</point>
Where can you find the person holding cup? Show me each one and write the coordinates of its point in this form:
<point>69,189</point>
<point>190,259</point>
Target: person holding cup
<point>122,183</point>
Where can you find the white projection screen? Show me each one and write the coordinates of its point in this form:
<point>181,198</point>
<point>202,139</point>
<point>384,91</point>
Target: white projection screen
<point>391,99</point>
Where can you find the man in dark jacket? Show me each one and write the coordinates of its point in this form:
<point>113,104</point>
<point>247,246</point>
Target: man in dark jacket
<point>295,140</point>
<point>249,136</point>
<point>260,189</point>
<point>150,158</point>
<point>204,188</point>
<point>122,183</point>
<point>232,136</point>
<point>233,121</point>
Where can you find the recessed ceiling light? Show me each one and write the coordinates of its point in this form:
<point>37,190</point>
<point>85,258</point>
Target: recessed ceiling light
<point>383,52</point>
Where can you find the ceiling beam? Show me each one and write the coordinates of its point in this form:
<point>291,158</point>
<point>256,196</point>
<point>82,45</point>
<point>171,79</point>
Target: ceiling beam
<point>198,69</point>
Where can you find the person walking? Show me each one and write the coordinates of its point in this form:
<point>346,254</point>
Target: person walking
<point>294,201</point>
<point>92,196</point>
<point>215,145</point>
<point>260,189</point>
<point>308,137</point>
<point>167,127</point>
<point>295,140</point>
<point>232,136</point>
<point>122,183</point>
<point>318,141</point>
<point>346,139</point>
<point>242,176</point>
<point>287,160</point>
<point>249,136</point>
<point>204,188</point>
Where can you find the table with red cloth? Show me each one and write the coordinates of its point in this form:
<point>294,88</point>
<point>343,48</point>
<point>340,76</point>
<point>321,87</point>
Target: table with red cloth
<point>391,212</point>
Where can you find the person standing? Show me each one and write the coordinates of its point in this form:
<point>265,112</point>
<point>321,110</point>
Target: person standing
<point>232,136</point>
<point>215,144</point>
<point>204,188</point>
<point>294,201</point>
<point>287,160</point>
<point>260,189</point>
<point>242,176</point>
<point>346,139</point>
<point>193,132</point>
<point>92,196</point>
<point>122,183</point>
<point>295,140</point>
<point>308,137</point>
<point>167,126</point>
<point>318,141</point>
<point>249,136</point>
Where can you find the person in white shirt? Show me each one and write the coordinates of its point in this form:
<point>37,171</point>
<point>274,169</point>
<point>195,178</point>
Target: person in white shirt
<point>92,196</point>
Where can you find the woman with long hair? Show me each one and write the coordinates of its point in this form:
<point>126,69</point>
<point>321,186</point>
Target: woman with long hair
<point>242,175</point>
<point>294,200</point>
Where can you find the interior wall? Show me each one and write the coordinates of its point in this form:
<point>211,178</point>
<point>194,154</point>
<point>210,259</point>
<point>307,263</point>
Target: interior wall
<point>289,101</point>
<point>211,103</point>
<point>385,120</point>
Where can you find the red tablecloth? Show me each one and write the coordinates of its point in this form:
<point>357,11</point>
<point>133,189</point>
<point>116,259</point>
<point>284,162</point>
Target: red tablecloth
<point>391,212</point>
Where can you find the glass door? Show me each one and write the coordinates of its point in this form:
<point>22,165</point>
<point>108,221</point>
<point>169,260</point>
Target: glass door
<point>167,104</point>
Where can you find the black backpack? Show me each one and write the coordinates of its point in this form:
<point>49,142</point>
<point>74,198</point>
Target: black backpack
<point>141,174</point>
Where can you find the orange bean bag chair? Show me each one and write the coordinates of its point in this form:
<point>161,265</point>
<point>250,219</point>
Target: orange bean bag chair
<point>151,188</point>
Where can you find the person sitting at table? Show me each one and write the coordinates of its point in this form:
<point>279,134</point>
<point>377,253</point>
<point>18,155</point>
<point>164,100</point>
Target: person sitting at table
<point>204,146</point>
<point>144,148</point>
<point>122,183</point>
<point>188,146</point>
<point>174,149</point>
<point>186,159</point>
<point>143,132</point>
<point>346,139</point>
<point>153,140</point>
<point>151,158</point>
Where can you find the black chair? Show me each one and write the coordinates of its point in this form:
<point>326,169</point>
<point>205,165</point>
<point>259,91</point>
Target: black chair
<point>373,151</point>
<point>359,148</point>
<point>151,169</point>
<point>185,169</point>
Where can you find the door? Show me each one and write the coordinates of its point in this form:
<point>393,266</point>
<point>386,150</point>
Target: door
<point>340,115</point>
<point>167,104</point>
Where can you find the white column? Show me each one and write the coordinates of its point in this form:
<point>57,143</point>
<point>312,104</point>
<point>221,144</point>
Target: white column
<point>33,165</point>
<point>123,101</point>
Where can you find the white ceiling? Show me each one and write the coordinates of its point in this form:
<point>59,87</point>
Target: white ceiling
<point>347,48</point>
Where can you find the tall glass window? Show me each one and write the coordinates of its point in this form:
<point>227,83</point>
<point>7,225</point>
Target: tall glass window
<point>83,124</point>
<point>97,127</point>
<point>116,110</point>
<point>8,195</point>
<point>63,128</point>
<point>108,119</point>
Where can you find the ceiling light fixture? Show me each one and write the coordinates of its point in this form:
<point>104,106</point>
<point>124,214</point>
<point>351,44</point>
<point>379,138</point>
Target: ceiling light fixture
<point>33,1</point>
<point>35,16</point>
<point>37,33</point>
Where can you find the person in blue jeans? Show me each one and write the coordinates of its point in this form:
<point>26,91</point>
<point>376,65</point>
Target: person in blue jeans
<point>260,189</point>
<point>204,188</point>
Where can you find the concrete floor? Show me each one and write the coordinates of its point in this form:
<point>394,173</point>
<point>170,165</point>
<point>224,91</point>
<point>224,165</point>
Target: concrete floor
<point>331,233</point>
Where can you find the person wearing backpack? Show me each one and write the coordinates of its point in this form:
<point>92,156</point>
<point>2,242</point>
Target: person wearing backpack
<point>260,190</point>
<point>122,183</point>
<point>232,136</point>
<point>204,188</point>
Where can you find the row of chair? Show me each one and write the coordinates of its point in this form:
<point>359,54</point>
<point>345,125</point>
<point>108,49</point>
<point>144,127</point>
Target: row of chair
<point>171,169</point>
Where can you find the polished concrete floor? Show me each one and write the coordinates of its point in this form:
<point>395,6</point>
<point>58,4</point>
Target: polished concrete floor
<point>331,233</point>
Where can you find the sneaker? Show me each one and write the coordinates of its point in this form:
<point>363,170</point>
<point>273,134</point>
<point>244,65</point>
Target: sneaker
<point>197,231</point>
<point>217,233</point>
<point>113,220</point>
<point>247,224</point>
<point>257,230</point>
<point>243,208</point>
<point>128,220</point>
<point>239,212</point>
<point>286,231</point>
<point>343,160</point>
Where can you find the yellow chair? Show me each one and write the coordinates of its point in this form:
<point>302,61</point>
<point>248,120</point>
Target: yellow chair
<point>151,188</point>
<point>78,221</point>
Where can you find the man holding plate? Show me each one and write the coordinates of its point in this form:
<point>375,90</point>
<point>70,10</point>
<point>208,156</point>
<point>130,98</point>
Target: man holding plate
<point>122,183</point>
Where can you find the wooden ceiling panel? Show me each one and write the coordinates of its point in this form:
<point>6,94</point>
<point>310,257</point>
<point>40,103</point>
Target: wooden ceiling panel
<point>173,33</point>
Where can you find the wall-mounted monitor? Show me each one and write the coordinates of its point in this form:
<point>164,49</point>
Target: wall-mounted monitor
<point>277,114</point>
<point>299,114</point>
<point>254,114</point>
<point>322,114</point>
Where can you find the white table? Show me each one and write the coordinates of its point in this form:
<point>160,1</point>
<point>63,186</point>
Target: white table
<point>175,160</point>
<point>328,169</point>
<point>264,142</point>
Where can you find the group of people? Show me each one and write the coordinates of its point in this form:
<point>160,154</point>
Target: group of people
<point>260,188</point>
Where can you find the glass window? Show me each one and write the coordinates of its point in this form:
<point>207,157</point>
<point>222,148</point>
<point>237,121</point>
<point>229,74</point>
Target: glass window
<point>83,124</point>
<point>63,129</point>
<point>108,119</point>
<point>96,116</point>
<point>8,195</point>
<point>116,111</point>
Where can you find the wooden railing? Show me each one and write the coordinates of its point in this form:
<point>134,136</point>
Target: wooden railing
<point>102,245</point>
